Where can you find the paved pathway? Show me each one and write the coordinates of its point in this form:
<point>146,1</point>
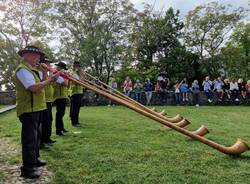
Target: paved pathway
<point>5,109</point>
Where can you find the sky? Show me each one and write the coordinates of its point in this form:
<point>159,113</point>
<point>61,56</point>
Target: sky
<point>186,5</point>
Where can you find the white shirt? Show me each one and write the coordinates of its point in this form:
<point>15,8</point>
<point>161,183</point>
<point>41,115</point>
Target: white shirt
<point>26,77</point>
<point>234,86</point>
<point>60,80</point>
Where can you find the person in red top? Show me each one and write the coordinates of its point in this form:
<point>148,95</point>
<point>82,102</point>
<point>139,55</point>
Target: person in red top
<point>127,86</point>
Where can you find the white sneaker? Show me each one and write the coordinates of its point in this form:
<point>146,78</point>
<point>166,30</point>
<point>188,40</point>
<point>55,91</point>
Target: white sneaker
<point>209,100</point>
<point>197,105</point>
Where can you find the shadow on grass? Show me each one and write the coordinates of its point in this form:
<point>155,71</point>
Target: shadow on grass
<point>239,157</point>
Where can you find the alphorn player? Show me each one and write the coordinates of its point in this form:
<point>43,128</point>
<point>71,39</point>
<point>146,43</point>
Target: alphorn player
<point>60,99</point>
<point>76,91</point>
<point>30,103</point>
<point>47,117</point>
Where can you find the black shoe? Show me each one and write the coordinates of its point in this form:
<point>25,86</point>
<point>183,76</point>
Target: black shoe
<point>61,133</point>
<point>50,141</point>
<point>40,163</point>
<point>76,125</point>
<point>42,146</point>
<point>29,173</point>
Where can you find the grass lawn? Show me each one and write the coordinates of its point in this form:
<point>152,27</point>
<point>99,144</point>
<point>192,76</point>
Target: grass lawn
<point>117,145</point>
<point>2,106</point>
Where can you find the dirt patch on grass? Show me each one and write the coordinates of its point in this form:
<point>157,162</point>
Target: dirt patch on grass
<point>10,172</point>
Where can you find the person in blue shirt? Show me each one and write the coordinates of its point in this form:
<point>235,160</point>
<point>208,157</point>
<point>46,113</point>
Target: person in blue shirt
<point>207,86</point>
<point>184,91</point>
<point>218,87</point>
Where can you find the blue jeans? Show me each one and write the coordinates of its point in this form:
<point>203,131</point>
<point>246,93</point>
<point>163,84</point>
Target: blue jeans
<point>177,98</point>
<point>209,95</point>
<point>127,92</point>
<point>138,96</point>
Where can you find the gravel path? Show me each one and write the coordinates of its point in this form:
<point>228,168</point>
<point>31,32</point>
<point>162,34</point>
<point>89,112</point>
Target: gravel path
<point>11,172</point>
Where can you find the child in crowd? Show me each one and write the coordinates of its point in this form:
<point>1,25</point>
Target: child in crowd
<point>184,90</point>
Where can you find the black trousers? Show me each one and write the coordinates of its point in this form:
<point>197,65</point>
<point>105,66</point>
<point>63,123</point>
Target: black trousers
<point>60,111</point>
<point>196,98</point>
<point>47,123</point>
<point>75,106</point>
<point>30,137</point>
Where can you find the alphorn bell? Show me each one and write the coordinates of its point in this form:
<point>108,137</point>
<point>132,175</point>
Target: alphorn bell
<point>163,113</point>
<point>201,131</point>
<point>239,147</point>
<point>182,123</point>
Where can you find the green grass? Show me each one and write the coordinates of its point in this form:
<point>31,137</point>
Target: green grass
<point>117,145</point>
<point>2,106</point>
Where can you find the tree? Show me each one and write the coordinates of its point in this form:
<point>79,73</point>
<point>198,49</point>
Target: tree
<point>21,24</point>
<point>93,31</point>
<point>206,29</point>
<point>155,36</point>
<point>236,55</point>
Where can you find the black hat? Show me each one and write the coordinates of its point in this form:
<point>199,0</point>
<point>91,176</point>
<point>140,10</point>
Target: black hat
<point>45,59</point>
<point>29,49</point>
<point>62,65</point>
<point>76,63</point>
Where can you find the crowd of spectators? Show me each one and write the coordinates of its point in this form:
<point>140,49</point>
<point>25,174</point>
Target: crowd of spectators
<point>224,90</point>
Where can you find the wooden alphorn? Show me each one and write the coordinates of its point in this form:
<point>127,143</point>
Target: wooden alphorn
<point>236,149</point>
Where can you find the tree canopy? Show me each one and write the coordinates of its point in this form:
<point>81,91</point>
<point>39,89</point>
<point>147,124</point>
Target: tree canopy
<point>112,38</point>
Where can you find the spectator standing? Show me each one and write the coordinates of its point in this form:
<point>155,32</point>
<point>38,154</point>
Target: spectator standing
<point>97,82</point>
<point>177,92</point>
<point>138,90</point>
<point>207,86</point>
<point>113,85</point>
<point>184,91</point>
<point>196,93</point>
<point>148,88</point>
<point>163,91</point>
<point>158,88</point>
